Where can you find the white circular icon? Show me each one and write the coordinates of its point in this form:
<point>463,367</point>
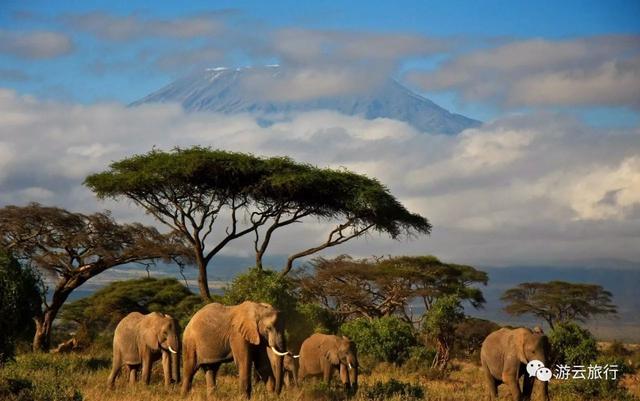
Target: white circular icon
<point>533,366</point>
<point>543,374</point>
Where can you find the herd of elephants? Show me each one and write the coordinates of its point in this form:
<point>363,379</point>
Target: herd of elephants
<point>252,334</point>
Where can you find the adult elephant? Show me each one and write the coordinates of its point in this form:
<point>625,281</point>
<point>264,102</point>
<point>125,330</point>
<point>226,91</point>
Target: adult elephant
<point>140,340</point>
<point>241,333</point>
<point>322,354</point>
<point>504,356</point>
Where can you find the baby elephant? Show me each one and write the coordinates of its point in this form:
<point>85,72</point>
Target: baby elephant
<point>504,356</point>
<point>139,340</point>
<point>322,354</point>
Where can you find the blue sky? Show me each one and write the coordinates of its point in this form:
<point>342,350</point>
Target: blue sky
<point>553,176</point>
<point>96,70</point>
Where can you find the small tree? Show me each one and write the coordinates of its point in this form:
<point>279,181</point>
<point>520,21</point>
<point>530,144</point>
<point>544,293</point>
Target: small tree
<point>19,302</point>
<point>572,345</point>
<point>559,301</point>
<point>71,248</point>
<point>440,324</point>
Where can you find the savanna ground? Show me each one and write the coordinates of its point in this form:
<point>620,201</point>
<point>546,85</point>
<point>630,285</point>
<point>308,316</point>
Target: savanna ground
<point>83,376</point>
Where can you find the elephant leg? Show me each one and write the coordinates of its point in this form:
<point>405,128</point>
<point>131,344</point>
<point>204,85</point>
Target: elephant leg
<point>490,382</point>
<point>146,368</point>
<point>514,388</point>
<point>527,387</point>
<point>327,371</point>
<point>166,368</point>
<point>188,370</point>
<point>115,370</point>
<point>133,373</point>
<point>210,374</point>
<point>244,369</point>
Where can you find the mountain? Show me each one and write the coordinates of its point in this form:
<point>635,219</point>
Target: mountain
<point>224,90</point>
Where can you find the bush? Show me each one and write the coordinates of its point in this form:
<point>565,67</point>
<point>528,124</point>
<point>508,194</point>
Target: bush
<point>381,391</point>
<point>20,299</point>
<point>601,389</point>
<point>572,345</point>
<point>387,339</point>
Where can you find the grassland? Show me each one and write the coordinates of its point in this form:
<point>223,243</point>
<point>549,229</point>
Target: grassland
<point>76,377</point>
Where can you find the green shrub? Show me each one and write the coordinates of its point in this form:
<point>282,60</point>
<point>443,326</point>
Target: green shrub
<point>381,391</point>
<point>572,345</point>
<point>388,338</point>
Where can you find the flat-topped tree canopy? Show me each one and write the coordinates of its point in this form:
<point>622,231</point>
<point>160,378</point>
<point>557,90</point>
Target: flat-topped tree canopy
<point>188,189</point>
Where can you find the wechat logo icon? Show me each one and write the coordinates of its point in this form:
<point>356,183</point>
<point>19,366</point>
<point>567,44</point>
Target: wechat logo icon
<point>536,368</point>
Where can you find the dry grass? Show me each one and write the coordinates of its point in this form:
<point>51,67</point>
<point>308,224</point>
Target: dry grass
<point>88,374</point>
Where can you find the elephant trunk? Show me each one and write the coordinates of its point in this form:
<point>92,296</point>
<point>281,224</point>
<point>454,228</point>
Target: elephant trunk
<point>353,372</point>
<point>277,345</point>
<point>175,367</point>
<point>278,373</point>
<point>173,344</point>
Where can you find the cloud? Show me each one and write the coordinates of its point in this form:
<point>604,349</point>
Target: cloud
<point>132,27</point>
<point>35,45</point>
<point>533,188</point>
<point>599,70</point>
<point>304,46</point>
<point>321,63</point>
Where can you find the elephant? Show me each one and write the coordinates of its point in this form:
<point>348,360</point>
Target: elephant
<point>321,354</point>
<point>140,340</point>
<point>504,356</point>
<point>247,333</point>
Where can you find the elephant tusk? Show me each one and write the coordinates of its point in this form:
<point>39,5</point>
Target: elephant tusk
<point>295,356</point>
<point>350,367</point>
<point>275,351</point>
<point>171,349</point>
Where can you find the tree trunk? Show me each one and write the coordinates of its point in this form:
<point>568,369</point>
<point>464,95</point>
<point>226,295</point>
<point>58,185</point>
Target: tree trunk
<point>44,322</point>
<point>203,282</point>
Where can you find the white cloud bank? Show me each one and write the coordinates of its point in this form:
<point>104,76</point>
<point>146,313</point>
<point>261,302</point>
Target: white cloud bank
<point>523,189</point>
<point>598,70</point>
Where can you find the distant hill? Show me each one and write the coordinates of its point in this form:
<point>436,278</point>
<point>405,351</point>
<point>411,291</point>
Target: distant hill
<point>223,90</point>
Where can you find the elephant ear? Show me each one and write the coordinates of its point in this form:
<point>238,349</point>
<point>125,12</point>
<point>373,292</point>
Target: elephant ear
<point>332,355</point>
<point>148,331</point>
<point>244,320</point>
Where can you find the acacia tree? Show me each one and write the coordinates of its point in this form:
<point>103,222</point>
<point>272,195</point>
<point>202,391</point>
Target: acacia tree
<point>73,247</point>
<point>374,288</point>
<point>213,197</point>
<point>558,301</point>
